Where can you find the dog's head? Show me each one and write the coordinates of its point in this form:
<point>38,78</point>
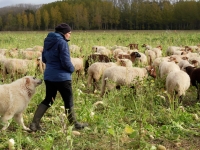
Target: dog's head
<point>32,82</point>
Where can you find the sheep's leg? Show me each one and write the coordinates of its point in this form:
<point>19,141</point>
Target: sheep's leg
<point>103,86</point>
<point>94,85</point>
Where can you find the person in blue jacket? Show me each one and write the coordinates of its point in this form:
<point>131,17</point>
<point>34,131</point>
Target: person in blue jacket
<point>57,75</point>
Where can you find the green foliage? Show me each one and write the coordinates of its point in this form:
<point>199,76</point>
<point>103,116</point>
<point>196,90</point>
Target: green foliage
<point>137,118</point>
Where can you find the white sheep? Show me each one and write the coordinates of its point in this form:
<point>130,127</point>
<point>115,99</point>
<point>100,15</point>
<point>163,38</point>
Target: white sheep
<point>166,67</point>
<point>151,56</point>
<point>96,70</point>
<point>147,47</point>
<point>183,64</point>
<point>78,65</point>
<point>170,50</point>
<point>177,81</point>
<point>158,60</point>
<point>143,59</point>
<point>158,51</point>
<point>14,66</point>
<point>119,76</point>
<point>74,49</point>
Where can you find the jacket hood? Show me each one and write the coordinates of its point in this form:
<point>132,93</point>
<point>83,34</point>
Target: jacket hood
<point>52,39</point>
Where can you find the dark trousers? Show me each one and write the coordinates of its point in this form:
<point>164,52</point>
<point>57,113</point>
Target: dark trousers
<point>65,90</point>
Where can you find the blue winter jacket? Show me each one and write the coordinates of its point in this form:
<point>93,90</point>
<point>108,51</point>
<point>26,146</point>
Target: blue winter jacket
<point>56,56</point>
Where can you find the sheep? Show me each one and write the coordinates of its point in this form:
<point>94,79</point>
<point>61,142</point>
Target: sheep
<point>177,81</point>
<point>147,47</point>
<point>158,60</point>
<point>104,51</point>
<point>96,70</point>
<point>95,58</point>
<point>184,63</point>
<point>26,54</point>
<point>116,52</point>
<point>133,46</point>
<point>170,50</point>
<point>166,67</point>
<point>119,76</point>
<point>74,49</point>
<point>143,59</point>
<point>3,52</point>
<point>131,56</point>
<point>194,78</point>
<point>38,48</point>
<point>19,66</point>
<point>151,56</point>
<point>157,50</point>
<point>78,65</point>
<point>95,48</point>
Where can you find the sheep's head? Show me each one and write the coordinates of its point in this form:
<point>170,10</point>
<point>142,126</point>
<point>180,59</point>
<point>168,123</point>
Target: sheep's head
<point>151,71</point>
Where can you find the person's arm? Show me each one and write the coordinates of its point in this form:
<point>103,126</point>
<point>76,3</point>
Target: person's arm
<point>65,56</point>
<point>43,58</point>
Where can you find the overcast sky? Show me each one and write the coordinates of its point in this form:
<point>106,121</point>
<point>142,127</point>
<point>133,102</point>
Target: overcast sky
<point>4,3</point>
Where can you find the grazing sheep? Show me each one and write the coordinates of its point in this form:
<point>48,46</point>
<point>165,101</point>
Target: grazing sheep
<point>170,50</point>
<point>143,59</point>
<point>158,60</point>
<point>19,67</point>
<point>74,49</point>
<point>96,70</point>
<point>26,54</point>
<point>38,48</point>
<point>78,65</point>
<point>194,78</point>
<point>166,67</point>
<point>183,64</point>
<point>95,58</point>
<point>147,47</point>
<point>151,56</point>
<point>133,46</point>
<point>179,82</point>
<point>158,51</point>
<point>131,56</point>
<point>119,76</point>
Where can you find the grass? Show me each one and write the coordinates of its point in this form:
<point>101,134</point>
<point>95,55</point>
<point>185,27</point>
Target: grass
<point>125,121</point>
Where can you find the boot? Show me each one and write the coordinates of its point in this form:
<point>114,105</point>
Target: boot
<point>72,119</point>
<point>34,126</point>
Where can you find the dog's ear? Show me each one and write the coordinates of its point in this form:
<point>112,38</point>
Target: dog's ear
<point>27,80</point>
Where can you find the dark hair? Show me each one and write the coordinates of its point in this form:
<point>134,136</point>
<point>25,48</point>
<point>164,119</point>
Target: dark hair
<point>63,28</point>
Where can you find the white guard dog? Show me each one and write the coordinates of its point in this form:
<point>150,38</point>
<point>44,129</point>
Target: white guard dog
<point>14,99</point>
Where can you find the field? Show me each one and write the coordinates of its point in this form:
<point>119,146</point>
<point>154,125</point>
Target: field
<point>125,121</point>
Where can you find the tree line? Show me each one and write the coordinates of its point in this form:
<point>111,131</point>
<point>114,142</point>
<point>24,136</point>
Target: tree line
<point>106,15</point>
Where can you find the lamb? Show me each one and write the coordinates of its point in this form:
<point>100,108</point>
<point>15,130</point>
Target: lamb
<point>119,76</point>
<point>166,67</point>
<point>158,60</point>
<point>194,78</point>
<point>179,82</point>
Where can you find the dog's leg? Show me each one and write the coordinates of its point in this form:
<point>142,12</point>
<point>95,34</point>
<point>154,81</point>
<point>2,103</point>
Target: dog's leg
<point>5,121</point>
<point>19,119</point>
